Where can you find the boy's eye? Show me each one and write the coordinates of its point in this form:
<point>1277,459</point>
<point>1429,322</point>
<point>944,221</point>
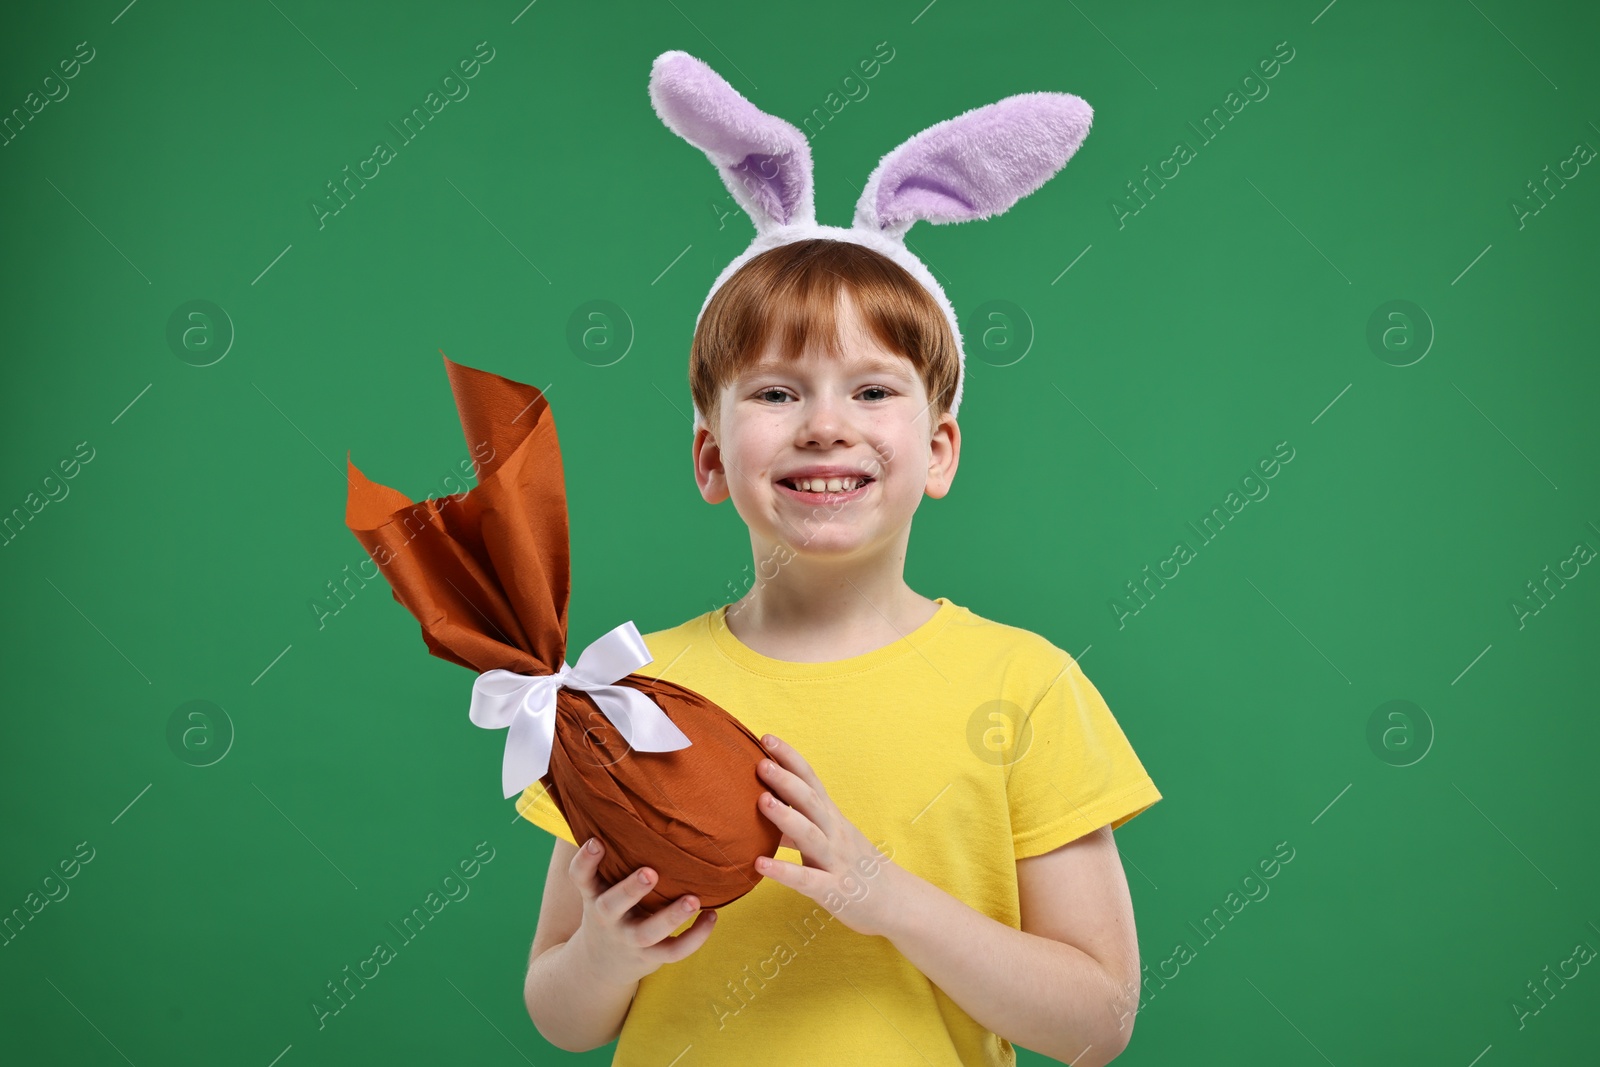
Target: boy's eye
<point>768,394</point>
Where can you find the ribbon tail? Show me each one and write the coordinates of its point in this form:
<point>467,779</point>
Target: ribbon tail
<point>528,744</point>
<point>639,720</point>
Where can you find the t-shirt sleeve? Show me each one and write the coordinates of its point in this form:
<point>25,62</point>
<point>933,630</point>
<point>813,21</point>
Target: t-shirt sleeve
<point>1075,770</point>
<point>536,806</point>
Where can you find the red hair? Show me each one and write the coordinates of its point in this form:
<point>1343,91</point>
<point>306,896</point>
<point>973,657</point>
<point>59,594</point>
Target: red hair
<point>791,292</point>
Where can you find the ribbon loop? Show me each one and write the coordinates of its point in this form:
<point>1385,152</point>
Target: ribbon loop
<point>525,706</point>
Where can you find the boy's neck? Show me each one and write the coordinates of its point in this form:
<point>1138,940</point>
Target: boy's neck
<point>820,621</point>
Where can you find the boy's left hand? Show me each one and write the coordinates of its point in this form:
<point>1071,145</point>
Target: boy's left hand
<point>843,871</point>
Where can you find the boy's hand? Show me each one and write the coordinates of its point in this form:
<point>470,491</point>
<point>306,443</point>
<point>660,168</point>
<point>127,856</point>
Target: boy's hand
<point>620,940</point>
<point>843,871</point>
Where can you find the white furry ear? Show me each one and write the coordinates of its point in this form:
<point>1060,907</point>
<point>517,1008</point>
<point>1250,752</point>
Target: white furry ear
<point>975,165</point>
<point>764,161</point>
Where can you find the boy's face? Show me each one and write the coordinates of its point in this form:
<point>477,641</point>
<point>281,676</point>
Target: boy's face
<point>865,415</point>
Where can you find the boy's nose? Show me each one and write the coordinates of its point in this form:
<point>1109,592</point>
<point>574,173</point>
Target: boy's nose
<point>825,420</point>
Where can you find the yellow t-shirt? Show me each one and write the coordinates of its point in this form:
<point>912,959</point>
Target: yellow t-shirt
<point>957,750</point>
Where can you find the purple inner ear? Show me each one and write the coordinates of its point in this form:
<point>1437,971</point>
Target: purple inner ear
<point>764,161</point>
<point>772,180</point>
<point>922,196</point>
<point>976,164</point>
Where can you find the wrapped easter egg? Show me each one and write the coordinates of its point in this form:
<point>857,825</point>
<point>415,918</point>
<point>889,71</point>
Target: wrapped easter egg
<point>664,777</point>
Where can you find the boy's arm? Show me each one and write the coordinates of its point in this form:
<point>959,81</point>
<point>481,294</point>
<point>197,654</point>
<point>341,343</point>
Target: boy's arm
<point>1078,895</point>
<point>570,1007</point>
<point>1067,983</point>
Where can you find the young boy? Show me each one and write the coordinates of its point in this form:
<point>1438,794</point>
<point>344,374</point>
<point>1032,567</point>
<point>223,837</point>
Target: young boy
<point>946,785</point>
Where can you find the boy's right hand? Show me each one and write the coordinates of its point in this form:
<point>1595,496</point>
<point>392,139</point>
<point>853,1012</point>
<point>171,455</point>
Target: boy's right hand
<point>620,941</point>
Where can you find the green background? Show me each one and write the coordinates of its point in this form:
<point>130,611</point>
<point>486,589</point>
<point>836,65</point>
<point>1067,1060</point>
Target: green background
<point>1229,314</point>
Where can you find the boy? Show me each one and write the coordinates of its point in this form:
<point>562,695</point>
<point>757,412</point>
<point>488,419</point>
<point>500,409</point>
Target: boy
<point>947,786</point>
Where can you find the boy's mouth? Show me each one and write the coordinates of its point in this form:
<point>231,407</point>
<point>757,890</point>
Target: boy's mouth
<point>825,490</point>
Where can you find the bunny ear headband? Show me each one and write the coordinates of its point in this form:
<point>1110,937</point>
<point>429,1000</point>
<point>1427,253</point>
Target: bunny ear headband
<point>969,167</point>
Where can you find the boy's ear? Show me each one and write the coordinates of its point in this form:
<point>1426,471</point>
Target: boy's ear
<point>709,473</point>
<point>944,455</point>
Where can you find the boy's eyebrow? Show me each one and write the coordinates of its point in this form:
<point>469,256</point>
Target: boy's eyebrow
<point>874,363</point>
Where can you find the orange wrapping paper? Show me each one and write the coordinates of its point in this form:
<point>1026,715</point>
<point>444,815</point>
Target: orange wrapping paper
<point>487,575</point>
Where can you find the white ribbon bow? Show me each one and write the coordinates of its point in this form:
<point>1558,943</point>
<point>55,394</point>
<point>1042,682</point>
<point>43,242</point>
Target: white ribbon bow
<point>527,704</point>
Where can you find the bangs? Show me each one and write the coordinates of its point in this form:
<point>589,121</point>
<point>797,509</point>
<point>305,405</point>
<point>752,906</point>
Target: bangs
<point>789,296</point>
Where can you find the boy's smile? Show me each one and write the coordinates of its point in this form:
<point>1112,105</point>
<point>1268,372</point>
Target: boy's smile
<point>824,496</point>
<point>826,483</point>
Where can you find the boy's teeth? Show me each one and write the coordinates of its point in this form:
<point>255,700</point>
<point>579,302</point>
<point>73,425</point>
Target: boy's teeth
<point>828,485</point>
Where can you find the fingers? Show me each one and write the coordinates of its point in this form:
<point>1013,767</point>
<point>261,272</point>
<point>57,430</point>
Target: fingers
<point>620,904</point>
<point>673,949</point>
<point>620,899</point>
<point>789,821</point>
<point>612,902</point>
<point>582,870</point>
<point>782,753</point>
<point>794,788</point>
<point>653,927</point>
<point>806,820</point>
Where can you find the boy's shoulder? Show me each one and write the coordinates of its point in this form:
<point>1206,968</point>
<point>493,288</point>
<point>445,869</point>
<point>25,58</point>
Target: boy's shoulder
<point>667,644</point>
<point>1026,664</point>
<point>968,627</point>
<point>693,622</point>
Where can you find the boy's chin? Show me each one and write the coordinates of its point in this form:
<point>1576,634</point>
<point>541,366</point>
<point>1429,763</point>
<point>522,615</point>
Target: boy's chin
<point>827,546</point>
